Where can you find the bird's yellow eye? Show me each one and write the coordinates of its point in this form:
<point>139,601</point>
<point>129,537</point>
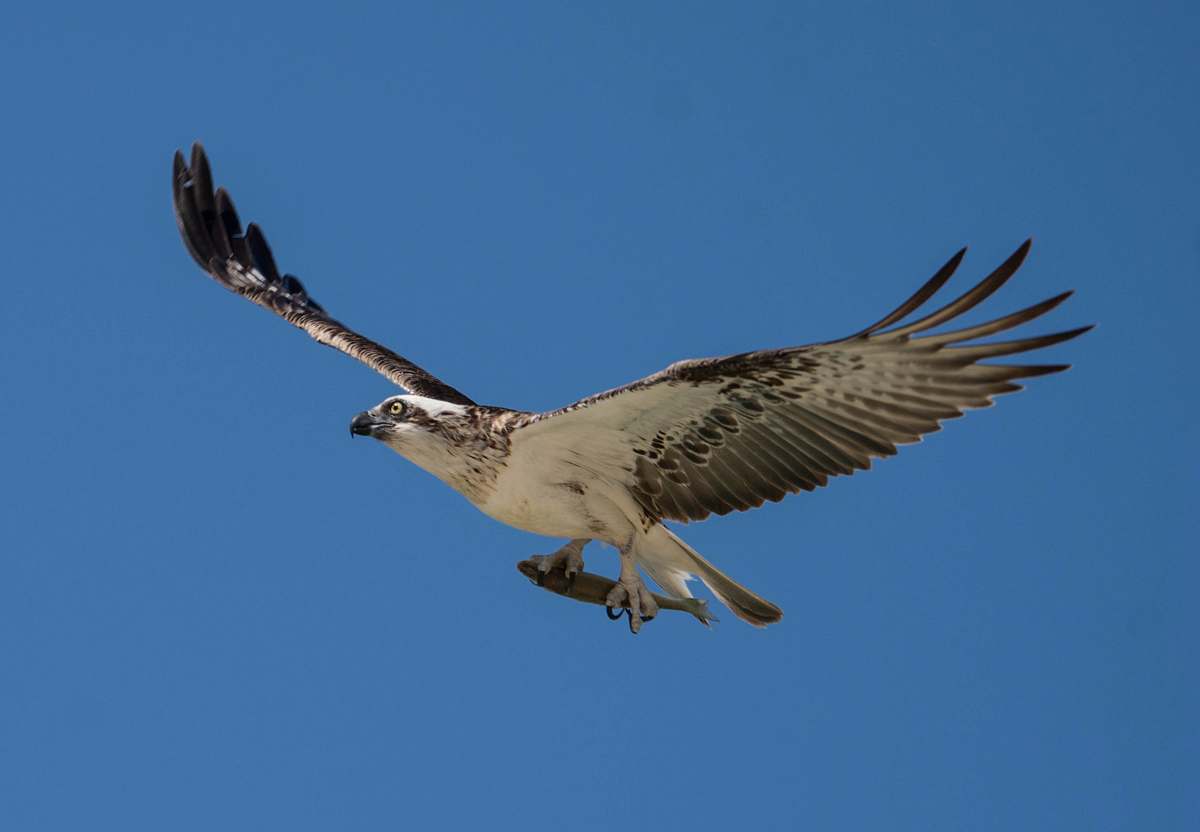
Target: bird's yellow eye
<point>396,408</point>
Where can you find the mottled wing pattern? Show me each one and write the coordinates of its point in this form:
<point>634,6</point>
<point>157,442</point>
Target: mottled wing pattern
<point>242,261</point>
<point>716,435</point>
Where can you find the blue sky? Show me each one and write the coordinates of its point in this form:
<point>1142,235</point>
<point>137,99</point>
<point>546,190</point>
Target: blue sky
<point>218,611</point>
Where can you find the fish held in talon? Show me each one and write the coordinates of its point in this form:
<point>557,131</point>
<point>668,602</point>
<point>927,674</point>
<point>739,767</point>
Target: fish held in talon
<point>590,588</point>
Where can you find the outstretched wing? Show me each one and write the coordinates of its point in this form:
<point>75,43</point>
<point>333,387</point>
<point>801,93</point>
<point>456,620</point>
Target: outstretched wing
<point>243,263</point>
<point>717,434</point>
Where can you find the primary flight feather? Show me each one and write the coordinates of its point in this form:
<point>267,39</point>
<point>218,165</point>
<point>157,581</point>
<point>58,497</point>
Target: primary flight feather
<point>704,436</point>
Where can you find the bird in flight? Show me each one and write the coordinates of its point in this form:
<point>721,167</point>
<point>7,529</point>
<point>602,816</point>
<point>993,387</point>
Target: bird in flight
<point>704,436</point>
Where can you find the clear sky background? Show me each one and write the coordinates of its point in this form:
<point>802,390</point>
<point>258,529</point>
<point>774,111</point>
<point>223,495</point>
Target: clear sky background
<point>217,611</point>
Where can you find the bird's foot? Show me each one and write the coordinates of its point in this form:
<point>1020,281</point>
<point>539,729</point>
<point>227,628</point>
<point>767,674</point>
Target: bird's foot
<point>569,558</point>
<point>632,594</point>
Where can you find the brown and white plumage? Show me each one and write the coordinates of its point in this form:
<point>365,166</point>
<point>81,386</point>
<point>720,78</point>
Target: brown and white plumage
<point>242,262</point>
<point>704,436</point>
<point>715,435</point>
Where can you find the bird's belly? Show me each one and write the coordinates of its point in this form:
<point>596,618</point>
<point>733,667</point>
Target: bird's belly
<point>556,506</point>
<point>544,513</point>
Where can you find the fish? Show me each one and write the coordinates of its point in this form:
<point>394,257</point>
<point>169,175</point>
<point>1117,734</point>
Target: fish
<point>593,589</point>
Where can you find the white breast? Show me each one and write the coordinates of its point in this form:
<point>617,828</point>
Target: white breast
<point>545,493</point>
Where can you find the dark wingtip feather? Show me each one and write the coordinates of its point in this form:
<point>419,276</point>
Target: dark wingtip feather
<point>202,178</point>
<point>200,165</point>
<point>969,299</point>
<point>1012,371</point>
<point>227,211</point>
<point>225,224</point>
<point>1048,370</point>
<point>1067,335</point>
<point>1011,263</point>
<point>187,217</point>
<point>1039,309</point>
<point>201,192</point>
<point>1018,256</point>
<point>1010,321</point>
<point>264,261</point>
<point>927,290</point>
<point>999,348</point>
<point>233,229</point>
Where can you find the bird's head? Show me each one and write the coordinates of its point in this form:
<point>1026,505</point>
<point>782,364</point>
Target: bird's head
<point>407,422</point>
<point>441,437</point>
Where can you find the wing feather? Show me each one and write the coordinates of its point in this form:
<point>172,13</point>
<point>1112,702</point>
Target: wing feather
<point>714,435</point>
<point>242,262</point>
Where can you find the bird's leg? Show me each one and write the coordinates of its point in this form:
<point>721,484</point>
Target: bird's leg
<point>642,606</point>
<point>569,557</point>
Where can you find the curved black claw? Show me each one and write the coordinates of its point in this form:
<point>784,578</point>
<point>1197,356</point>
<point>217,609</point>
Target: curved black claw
<point>571,583</point>
<point>619,610</point>
<point>541,578</point>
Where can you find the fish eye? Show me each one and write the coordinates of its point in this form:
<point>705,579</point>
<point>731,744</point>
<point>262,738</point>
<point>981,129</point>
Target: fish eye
<point>396,408</point>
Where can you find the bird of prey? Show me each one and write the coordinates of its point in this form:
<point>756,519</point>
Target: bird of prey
<point>704,436</point>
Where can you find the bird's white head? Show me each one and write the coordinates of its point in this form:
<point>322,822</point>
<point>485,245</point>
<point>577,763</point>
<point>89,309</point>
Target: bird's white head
<point>406,423</point>
<point>447,440</point>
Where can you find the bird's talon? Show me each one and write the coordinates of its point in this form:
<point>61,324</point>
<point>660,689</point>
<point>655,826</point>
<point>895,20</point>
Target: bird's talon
<point>609,612</point>
<point>635,624</point>
<point>569,559</point>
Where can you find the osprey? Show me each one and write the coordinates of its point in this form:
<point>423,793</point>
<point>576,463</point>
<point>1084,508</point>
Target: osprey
<point>704,436</point>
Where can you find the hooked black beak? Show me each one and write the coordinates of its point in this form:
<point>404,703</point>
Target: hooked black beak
<point>363,425</point>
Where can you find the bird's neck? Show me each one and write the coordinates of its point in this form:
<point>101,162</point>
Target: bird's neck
<point>466,460</point>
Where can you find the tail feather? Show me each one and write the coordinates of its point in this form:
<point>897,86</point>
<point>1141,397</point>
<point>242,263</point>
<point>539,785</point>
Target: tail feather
<point>746,605</point>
